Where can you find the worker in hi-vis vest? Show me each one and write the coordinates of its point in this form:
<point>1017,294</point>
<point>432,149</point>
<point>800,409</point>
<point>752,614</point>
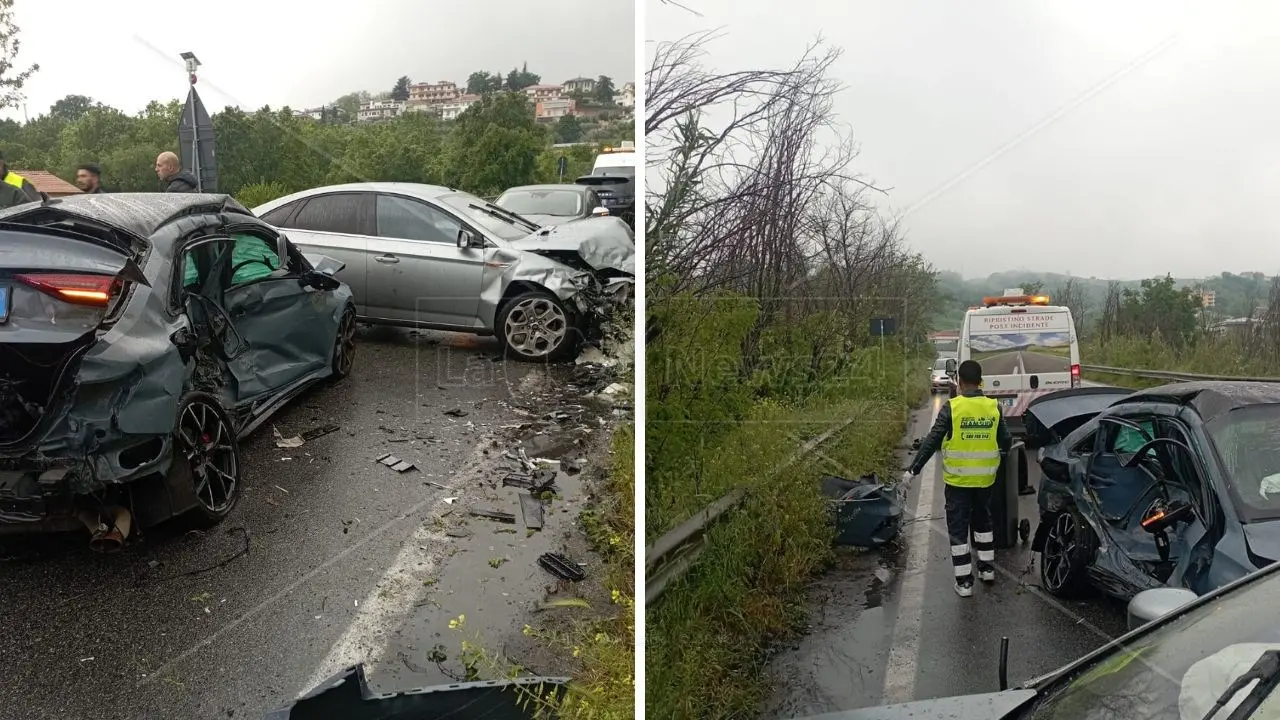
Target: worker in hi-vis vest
<point>971,432</point>
<point>16,181</point>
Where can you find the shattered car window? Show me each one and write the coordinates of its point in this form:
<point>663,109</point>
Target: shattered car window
<point>1129,441</point>
<point>1178,669</point>
<point>1248,443</point>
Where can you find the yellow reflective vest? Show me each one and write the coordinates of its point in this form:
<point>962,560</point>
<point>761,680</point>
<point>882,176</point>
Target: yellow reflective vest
<point>16,180</point>
<point>970,454</point>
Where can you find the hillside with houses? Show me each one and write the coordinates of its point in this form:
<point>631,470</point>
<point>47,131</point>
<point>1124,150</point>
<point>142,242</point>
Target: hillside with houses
<point>583,98</point>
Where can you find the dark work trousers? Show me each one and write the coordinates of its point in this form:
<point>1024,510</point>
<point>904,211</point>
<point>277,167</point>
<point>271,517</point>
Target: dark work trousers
<point>969,509</point>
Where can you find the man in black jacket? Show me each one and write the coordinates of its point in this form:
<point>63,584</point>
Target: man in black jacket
<point>89,179</point>
<point>170,172</point>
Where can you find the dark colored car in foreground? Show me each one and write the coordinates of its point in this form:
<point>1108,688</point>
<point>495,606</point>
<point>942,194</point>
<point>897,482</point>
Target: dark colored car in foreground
<point>1188,655</point>
<point>1172,486</point>
<point>141,336</point>
<point>550,204</point>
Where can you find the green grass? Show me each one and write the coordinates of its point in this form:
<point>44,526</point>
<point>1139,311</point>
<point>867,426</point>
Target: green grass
<point>708,636</point>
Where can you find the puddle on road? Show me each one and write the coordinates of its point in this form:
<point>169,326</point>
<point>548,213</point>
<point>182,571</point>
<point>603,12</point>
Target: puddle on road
<point>837,664</point>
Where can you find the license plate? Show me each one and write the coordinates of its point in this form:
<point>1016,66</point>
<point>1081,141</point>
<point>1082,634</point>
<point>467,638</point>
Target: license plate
<point>4,304</point>
<point>1006,402</point>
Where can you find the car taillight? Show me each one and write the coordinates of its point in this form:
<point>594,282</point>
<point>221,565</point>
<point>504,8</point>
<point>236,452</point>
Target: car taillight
<point>79,289</point>
<point>1075,375</point>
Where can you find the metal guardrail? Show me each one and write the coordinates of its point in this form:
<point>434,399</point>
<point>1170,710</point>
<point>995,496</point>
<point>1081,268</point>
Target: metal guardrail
<point>671,556</point>
<point>1172,376</point>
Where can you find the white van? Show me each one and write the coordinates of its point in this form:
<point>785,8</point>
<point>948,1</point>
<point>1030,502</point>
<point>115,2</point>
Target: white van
<point>1026,346</point>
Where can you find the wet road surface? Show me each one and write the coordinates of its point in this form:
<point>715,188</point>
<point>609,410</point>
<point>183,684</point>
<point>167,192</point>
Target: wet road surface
<point>239,619</point>
<point>888,626</point>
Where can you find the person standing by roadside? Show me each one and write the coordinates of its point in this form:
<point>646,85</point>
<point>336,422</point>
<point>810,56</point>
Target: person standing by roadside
<point>169,170</point>
<point>23,185</point>
<point>972,435</point>
<point>89,178</point>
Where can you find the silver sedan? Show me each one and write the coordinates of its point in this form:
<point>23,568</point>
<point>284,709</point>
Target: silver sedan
<point>433,257</point>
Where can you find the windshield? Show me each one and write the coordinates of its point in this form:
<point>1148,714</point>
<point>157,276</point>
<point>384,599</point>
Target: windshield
<point>507,229</point>
<point>1022,353</point>
<point>560,203</point>
<point>1247,441</point>
<point>1179,669</point>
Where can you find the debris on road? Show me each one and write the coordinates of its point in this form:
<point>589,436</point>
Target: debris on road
<point>434,484</point>
<point>319,432</point>
<point>284,442</point>
<point>499,515</point>
<point>562,567</point>
<point>395,463</point>
<point>538,482</point>
<point>450,500</point>
<point>531,509</point>
<point>456,412</point>
<point>867,513</point>
<point>573,467</point>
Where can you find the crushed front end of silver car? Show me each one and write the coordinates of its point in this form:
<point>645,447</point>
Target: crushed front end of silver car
<point>590,265</point>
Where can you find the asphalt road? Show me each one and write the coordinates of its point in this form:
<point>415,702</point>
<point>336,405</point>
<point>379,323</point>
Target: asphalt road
<point>346,560</point>
<point>888,627</point>
<point>1024,362</point>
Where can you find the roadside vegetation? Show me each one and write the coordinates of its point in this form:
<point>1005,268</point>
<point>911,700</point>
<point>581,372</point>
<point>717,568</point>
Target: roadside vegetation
<point>262,155</point>
<point>766,264</point>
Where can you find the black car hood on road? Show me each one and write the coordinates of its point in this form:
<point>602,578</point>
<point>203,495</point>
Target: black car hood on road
<point>988,706</point>
<point>604,243</point>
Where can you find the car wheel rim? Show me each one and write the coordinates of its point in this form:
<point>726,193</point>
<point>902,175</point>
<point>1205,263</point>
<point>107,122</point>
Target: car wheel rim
<point>1058,548</point>
<point>346,349</point>
<point>535,327</point>
<point>208,446</point>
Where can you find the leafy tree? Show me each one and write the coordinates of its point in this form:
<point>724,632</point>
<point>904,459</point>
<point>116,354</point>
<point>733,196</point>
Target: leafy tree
<point>478,83</point>
<point>400,91</point>
<point>568,129</point>
<point>518,80</point>
<point>11,79</point>
<point>72,107</point>
<point>494,145</point>
<point>1159,306</point>
<point>604,91</point>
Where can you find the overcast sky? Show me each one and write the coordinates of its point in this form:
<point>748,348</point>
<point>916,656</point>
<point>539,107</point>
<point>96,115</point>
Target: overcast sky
<point>1171,164</point>
<point>303,54</point>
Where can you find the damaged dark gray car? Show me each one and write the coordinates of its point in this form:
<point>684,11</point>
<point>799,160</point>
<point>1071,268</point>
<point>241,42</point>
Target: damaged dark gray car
<point>432,257</point>
<point>142,336</point>
<point>1173,486</point>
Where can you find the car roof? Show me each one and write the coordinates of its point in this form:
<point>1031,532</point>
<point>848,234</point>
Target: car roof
<point>416,190</point>
<point>138,213</point>
<point>1209,398</point>
<point>549,186</point>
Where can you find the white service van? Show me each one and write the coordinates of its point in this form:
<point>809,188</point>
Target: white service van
<point>1026,346</point>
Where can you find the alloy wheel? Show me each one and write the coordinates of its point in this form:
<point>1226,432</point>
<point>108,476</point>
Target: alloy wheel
<point>1059,547</point>
<point>536,327</point>
<point>208,446</point>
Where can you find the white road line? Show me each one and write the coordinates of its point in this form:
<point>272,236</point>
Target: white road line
<point>904,648</point>
<point>390,601</point>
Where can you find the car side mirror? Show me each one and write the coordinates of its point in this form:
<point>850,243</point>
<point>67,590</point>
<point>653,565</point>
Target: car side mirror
<point>951,367</point>
<point>320,281</point>
<point>468,240</point>
<point>600,211</point>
